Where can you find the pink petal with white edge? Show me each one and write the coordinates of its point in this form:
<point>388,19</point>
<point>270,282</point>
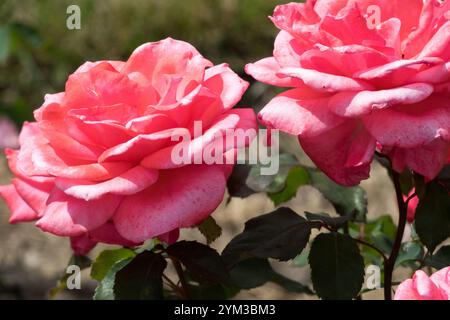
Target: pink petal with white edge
<point>412,125</point>
<point>267,71</point>
<point>427,160</point>
<point>34,194</point>
<point>426,289</point>
<point>69,217</point>
<point>128,183</point>
<point>395,66</point>
<point>235,119</point>
<point>226,84</point>
<point>325,82</point>
<point>20,210</point>
<point>406,291</point>
<point>343,153</point>
<point>299,112</point>
<point>351,104</point>
<point>181,198</point>
<point>442,280</point>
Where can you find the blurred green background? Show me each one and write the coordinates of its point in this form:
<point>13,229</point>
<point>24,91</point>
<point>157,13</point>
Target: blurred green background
<point>38,52</point>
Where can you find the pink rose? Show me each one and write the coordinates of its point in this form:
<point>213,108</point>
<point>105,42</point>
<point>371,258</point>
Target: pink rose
<point>96,166</point>
<point>422,287</point>
<point>363,72</point>
<point>412,206</point>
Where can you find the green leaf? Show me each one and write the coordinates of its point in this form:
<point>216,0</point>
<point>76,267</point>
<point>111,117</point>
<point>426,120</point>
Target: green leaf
<point>333,222</point>
<point>105,289</point>
<point>255,272</point>
<point>82,262</point>
<point>296,178</point>
<point>337,267</point>
<point>141,279</point>
<point>274,183</point>
<point>212,292</point>
<point>107,259</point>
<point>406,181</point>
<point>301,260</point>
<point>439,260</point>
<point>281,235</point>
<point>433,216</point>
<point>204,264</point>
<point>210,229</point>
<point>420,185</point>
<point>409,252</point>
<point>345,200</point>
<point>380,232</point>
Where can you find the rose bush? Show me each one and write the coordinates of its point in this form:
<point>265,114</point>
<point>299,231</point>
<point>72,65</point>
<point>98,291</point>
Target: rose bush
<point>367,75</point>
<point>96,165</point>
<point>422,287</point>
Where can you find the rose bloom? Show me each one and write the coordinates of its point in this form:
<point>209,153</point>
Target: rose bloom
<point>365,74</point>
<point>422,287</point>
<point>96,165</point>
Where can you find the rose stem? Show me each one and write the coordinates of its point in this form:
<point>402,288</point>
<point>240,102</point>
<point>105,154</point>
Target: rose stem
<point>180,273</point>
<point>389,264</point>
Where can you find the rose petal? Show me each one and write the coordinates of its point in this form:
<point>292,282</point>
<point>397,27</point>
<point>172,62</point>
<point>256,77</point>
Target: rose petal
<point>181,198</point>
<point>128,183</point>
<point>70,217</point>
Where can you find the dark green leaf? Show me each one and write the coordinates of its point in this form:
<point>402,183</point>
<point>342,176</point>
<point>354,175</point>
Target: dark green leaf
<point>409,251</point>
<point>106,260</point>
<point>420,185</point>
<point>337,267</point>
<point>439,260</point>
<point>212,292</point>
<point>210,229</point>
<point>444,177</point>
<point>281,235</point>
<point>141,279</point>
<point>105,289</point>
<point>296,178</point>
<point>433,216</point>
<point>255,272</point>
<point>406,181</point>
<point>345,200</point>
<point>380,232</point>
<point>333,222</point>
<point>204,263</point>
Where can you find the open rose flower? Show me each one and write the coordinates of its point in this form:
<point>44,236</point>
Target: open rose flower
<point>366,74</point>
<point>422,287</point>
<point>96,166</point>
